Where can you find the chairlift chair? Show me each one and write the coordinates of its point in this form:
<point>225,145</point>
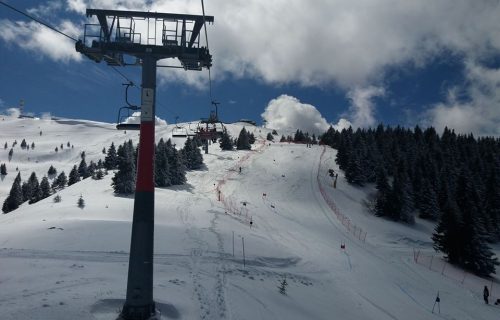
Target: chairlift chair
<point>122,125</point>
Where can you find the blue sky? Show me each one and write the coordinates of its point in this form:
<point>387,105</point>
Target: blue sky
<point>299,64</point>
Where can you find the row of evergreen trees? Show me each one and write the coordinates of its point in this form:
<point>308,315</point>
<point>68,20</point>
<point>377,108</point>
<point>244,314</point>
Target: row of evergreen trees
<point>33,191</point>
<point>300,137</point>
<point>170,164</point>
<point>452,179</point>
<point>243,142</point>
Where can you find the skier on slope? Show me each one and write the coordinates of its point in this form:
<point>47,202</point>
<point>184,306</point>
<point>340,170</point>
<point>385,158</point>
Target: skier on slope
<point>486,294</point>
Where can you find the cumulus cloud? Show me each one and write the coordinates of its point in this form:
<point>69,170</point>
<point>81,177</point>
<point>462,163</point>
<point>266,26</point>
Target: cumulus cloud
<point>13,112</point>
<point>135,118</point>
<point>288,113</point>
<point>362,106</point>
<point>34,37</point>
<point>342,124</point>
<point>46,9</point>
<point>479,113</point>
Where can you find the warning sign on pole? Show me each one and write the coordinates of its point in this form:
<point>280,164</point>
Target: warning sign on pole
<point>148,95</point>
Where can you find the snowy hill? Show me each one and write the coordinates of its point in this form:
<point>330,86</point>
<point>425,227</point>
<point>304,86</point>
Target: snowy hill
<point>58,261</point>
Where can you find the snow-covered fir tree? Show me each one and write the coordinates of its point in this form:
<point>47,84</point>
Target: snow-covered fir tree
<point>226,142</point>
<point>60,182</point>
<point>15,197</point>
<point>111,159</point>
<point>124,178</point>
<point>269,137</point>
<point>162,166</point>
<point>52,171</point>
<point>243,142</point>
<point>176,164</point>
<point>74,177</point>
<point>45,189</point>
<point>192,155</point>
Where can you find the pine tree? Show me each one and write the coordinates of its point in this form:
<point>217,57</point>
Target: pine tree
<point>124,178</point>
<point>98,175</point>
<point>3,169</point>
<point>476,254</point>
<point>225,142</point>
<point>269,137</point>
<point>111,159</point>
<point>354,172</point>
<point>383,191</point>
<point>104,150</point>
<point>429,205</point>
<point>32,145</point>
<point>45,188</point>
<point>401,199</point>
<point>5,146</point>
<point>446,237</point>
<point>74,177</point>
<point>60,182</point>
<point>243,142</point>
<point>192,155</point>
<point>162,166</point>
<point>282,286</point>
<point>11,153</point>
<point>251,138</point>
<point>91,168</point>
<point>15,197</point>
<point>57,198</point>
<point>80,203</point>
<point>23,144</point>
<point>82,169</point>
<point>177,168</point>
<point>34,192</point>
<point>283,139</point>
<point>52,171</point>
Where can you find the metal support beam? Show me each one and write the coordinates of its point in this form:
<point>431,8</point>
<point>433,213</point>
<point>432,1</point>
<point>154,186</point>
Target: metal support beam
<point>139,304</point>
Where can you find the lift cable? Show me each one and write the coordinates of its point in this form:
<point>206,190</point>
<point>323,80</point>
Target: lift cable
<point>37,20</point>
<point>70,37</point>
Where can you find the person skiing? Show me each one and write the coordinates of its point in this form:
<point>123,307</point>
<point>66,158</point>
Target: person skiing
<point>486,294</point>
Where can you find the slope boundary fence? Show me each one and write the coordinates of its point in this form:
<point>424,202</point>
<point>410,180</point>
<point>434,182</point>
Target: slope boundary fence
<point>231,204</point>
<point>352,228</point>
<point>474,283</point>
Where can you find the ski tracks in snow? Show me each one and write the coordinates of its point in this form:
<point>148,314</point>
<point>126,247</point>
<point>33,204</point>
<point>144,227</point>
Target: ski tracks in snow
<point>208,275</point>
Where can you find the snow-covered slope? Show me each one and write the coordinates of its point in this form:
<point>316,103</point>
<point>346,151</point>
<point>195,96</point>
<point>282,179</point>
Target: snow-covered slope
<point>58,261</point>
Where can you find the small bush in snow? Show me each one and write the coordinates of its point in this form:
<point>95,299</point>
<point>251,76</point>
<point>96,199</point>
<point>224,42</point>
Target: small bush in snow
<point>57,198</point>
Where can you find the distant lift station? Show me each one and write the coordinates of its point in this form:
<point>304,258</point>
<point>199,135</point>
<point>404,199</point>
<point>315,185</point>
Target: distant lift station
<point>146,37</point>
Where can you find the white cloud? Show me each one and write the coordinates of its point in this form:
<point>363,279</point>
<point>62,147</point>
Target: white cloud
<point>362,106</point>
<point>34,37</point>
<point>349,43</point>
<point>13,112</point>
<point>46,9</point>
<point>480,113</point>
<point>288,113</point>
<point>136,118</point>
<point>342,124</point>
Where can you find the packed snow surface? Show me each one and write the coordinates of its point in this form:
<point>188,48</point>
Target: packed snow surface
<point>58,261</point>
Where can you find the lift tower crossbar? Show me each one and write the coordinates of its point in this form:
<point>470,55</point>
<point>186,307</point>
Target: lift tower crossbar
<point>168,36</point>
